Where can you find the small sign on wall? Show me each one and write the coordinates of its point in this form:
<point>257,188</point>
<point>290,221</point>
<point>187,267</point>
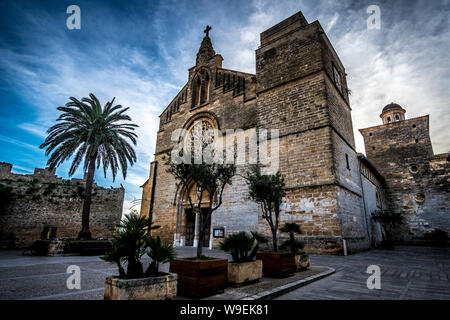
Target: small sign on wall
<point>218,232</point>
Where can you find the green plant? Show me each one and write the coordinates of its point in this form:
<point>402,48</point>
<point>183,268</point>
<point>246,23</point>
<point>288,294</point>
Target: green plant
<point>389,221</point>
<point>96,135</point>
<point>131,242</point>
<point>242,246</point>
<point>208,182</point>
<point>292,244</point>
<point>268,192</point>
<point>159,252</point>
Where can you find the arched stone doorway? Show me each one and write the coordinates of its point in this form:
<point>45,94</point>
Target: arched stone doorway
<point>188,220</point>
<point>200,133</point>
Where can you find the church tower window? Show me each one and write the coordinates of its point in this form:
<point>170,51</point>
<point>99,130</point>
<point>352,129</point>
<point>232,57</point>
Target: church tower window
<point>200,88</point>
<point>337,79</point>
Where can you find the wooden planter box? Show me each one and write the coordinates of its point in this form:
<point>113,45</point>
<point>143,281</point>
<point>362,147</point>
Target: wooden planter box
<point>243,273</point>
<point>276,264</point>
<point>152,288</point>
<point>200,278</point>
<point>302,261</point>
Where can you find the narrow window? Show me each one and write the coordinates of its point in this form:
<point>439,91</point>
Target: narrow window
<point>337,79</point>
<point>397,118</point>
<point>389,119</point>
<point>346,160</point>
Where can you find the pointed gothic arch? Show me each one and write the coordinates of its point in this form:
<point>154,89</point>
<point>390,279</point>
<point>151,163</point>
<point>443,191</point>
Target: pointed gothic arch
<point>201,85</point>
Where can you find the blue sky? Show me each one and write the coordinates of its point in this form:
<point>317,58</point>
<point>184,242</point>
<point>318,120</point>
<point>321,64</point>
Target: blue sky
<point>140,51</point>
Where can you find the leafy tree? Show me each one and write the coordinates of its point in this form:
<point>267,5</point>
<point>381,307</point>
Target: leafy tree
<point>292,244</point>
<point>242,246</point>
<point>268,192</point>
<point>389,220</point>
<point>95,135</point>
<point>209,180</point>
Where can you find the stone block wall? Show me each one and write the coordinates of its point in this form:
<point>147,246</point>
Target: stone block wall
<point>416,181</point>
<point>296,91</point>
<point>44,200</point>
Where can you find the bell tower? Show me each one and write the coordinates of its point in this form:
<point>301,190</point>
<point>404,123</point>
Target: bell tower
<point>392,113</point>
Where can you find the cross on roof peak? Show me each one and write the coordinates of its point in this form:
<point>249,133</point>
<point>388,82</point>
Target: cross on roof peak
<point>207,30</point>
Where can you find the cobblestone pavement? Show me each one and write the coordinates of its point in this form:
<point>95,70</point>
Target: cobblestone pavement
<point>407,273</point>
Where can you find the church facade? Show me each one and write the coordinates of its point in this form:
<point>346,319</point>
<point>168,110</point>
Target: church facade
<point>300,90</point>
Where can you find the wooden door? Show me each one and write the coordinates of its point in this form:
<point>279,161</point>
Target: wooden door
<point>190,227</point>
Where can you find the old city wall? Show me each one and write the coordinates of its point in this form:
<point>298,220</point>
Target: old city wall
<point>44,200</point>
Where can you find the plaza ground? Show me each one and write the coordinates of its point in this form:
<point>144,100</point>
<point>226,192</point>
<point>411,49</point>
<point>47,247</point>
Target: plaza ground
<point>406,273</point>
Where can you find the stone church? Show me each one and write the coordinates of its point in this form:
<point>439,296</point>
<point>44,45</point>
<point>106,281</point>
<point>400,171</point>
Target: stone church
<point>300,89</point>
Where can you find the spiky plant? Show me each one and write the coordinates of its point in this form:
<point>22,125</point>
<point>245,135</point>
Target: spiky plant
<point>159,252</point>
<point>242,246</point>
<point>96,135</point>
<point>292,244</point>
<point>129,245</point>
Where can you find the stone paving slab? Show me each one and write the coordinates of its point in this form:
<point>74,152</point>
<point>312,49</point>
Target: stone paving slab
<point>407,273</point>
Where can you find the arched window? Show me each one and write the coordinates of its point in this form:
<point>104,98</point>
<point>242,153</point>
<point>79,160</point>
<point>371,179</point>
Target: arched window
<point>389,119</point>
<point>200,88</point>
<point>397,117</point>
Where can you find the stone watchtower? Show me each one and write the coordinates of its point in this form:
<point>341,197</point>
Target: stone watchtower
<point>302,91</point>
<point>416,180</point>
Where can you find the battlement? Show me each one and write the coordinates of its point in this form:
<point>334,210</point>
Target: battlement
<point>42,174</point>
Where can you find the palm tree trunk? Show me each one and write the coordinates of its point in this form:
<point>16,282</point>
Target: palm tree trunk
<point>85,233</point>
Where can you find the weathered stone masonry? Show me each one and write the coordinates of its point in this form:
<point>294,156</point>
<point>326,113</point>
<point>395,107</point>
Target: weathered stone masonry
<point>42,200</point>
<point>300,89</point>
<point>416,181</point>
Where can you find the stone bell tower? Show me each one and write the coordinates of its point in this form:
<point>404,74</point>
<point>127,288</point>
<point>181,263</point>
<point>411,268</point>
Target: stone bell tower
<point>302,92</point>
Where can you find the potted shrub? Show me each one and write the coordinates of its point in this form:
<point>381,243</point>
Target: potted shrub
<point>295,246</point>
<point>201,276</point>
<point>268,191</point>
<point>133,283</point>
<point>389,220</point>
<point>243,248</point>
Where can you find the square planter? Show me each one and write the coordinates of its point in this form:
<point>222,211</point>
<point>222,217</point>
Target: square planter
<point>243,273</point>
<point>200,278</point>
<point>302,261</point>
<point>276,264</point>
<point>162,287</point>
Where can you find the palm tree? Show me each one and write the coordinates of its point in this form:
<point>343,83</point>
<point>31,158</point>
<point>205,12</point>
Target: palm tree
<point>96,135</point>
